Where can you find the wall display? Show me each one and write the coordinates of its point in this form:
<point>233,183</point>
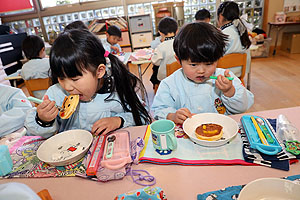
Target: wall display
<point>291,6</point>
<point>253,9</point>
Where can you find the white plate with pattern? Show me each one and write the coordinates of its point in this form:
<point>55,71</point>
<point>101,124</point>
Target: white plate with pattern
<point>65,148</point>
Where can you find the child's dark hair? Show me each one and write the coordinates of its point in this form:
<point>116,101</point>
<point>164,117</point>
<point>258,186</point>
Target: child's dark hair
<point>76,25</point>
<point>230,11</point>
<point>199,42</point>
<point>114,30</point>
<point>75,51</point>
<point>202,14</point>
<point>32,45</point>
<point>167,25</point>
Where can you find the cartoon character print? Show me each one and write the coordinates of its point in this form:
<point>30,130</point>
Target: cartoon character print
<point>119,175</point>
<point>220,106</point>
<point>27,154</point>
<point>211,197</point>
<point>150,191</point>
<point>162,196</point>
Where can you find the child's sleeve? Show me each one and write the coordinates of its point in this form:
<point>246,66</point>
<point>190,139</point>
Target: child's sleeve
<point>13,119</point>
<point>241,101</point>
<point>164,101</point>
<point>33,128</point>
<point>120,49</point>
<point>157,57</point>
<point>128,119</point>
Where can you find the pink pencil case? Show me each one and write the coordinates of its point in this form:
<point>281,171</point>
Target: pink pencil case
<point>116,152</point>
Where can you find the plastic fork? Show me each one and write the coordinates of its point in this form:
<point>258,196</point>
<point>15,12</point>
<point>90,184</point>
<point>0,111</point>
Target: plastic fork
<point>39,101</point>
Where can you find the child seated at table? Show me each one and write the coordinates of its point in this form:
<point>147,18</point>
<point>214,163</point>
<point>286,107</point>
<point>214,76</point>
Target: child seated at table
<point>164,53</point>
<point>198,47</point>
<point>38,65</point>
<point>107,91</point>
<point>13,108</point>
<point>113,36</point>
<point>202,15</point>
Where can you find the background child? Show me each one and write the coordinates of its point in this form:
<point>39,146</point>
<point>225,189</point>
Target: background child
<point>13,108</point>
<point>198,46</point>
<point>38,65</point>
<point>202,15</point>
<point>238,40</point>
<point>113,36</point>
<point>164,53</point>
<point>107,90</point>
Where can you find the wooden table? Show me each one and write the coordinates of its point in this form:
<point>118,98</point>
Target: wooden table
<point>178,182</point>
<point>279,26</point>
<point>14,77</point>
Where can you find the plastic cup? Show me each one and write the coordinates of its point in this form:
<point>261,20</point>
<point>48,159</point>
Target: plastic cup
<point>6,163</point>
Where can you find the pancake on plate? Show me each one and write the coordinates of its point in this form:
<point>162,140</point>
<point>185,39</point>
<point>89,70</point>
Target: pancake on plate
<point>210,132</point>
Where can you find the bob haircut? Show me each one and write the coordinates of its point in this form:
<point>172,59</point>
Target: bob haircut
<point>32,45</point>
<point>167,25</point>
<point>200,42</point>
<point>114,30</point>
<point>69,59</point>
<point>202,14</point>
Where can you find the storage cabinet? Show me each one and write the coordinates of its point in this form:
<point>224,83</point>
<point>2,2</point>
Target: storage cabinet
<point>140,31</point>
<point>291,42</point>
<point>140,40</point>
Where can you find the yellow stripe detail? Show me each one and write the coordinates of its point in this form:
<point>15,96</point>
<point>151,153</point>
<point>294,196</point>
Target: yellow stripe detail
<point>146,139</point>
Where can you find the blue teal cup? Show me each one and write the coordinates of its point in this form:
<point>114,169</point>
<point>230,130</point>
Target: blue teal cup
<point>6,163</point>
<point>163,135</point>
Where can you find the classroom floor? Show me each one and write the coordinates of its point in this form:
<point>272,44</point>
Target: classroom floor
<point>275,81</point>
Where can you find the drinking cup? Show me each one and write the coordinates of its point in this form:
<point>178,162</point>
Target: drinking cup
<point>163,135</point>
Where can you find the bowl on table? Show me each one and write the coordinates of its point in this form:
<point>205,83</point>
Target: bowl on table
<point>65,148</point>
<point>270,189</point>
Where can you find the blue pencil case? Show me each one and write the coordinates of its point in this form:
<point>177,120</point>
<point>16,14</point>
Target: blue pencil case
<point>272,148</point>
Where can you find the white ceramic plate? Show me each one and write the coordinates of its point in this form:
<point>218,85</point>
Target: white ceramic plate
<point>230,128</point>
<point>65,148</point>
<point>270,189</point>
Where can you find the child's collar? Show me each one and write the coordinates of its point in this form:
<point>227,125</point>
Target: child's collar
<point>226,25</point>
<point>169,38</point>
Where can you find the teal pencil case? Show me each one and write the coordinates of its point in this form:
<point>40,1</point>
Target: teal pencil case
<point>270,146</point>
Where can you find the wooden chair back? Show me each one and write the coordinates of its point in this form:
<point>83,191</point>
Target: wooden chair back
<point>171,68</point>
<point>234,60</point>
<point>37,84</point>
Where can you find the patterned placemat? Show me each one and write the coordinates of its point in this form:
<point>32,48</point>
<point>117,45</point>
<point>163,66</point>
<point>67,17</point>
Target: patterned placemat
<point>26,164</point>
